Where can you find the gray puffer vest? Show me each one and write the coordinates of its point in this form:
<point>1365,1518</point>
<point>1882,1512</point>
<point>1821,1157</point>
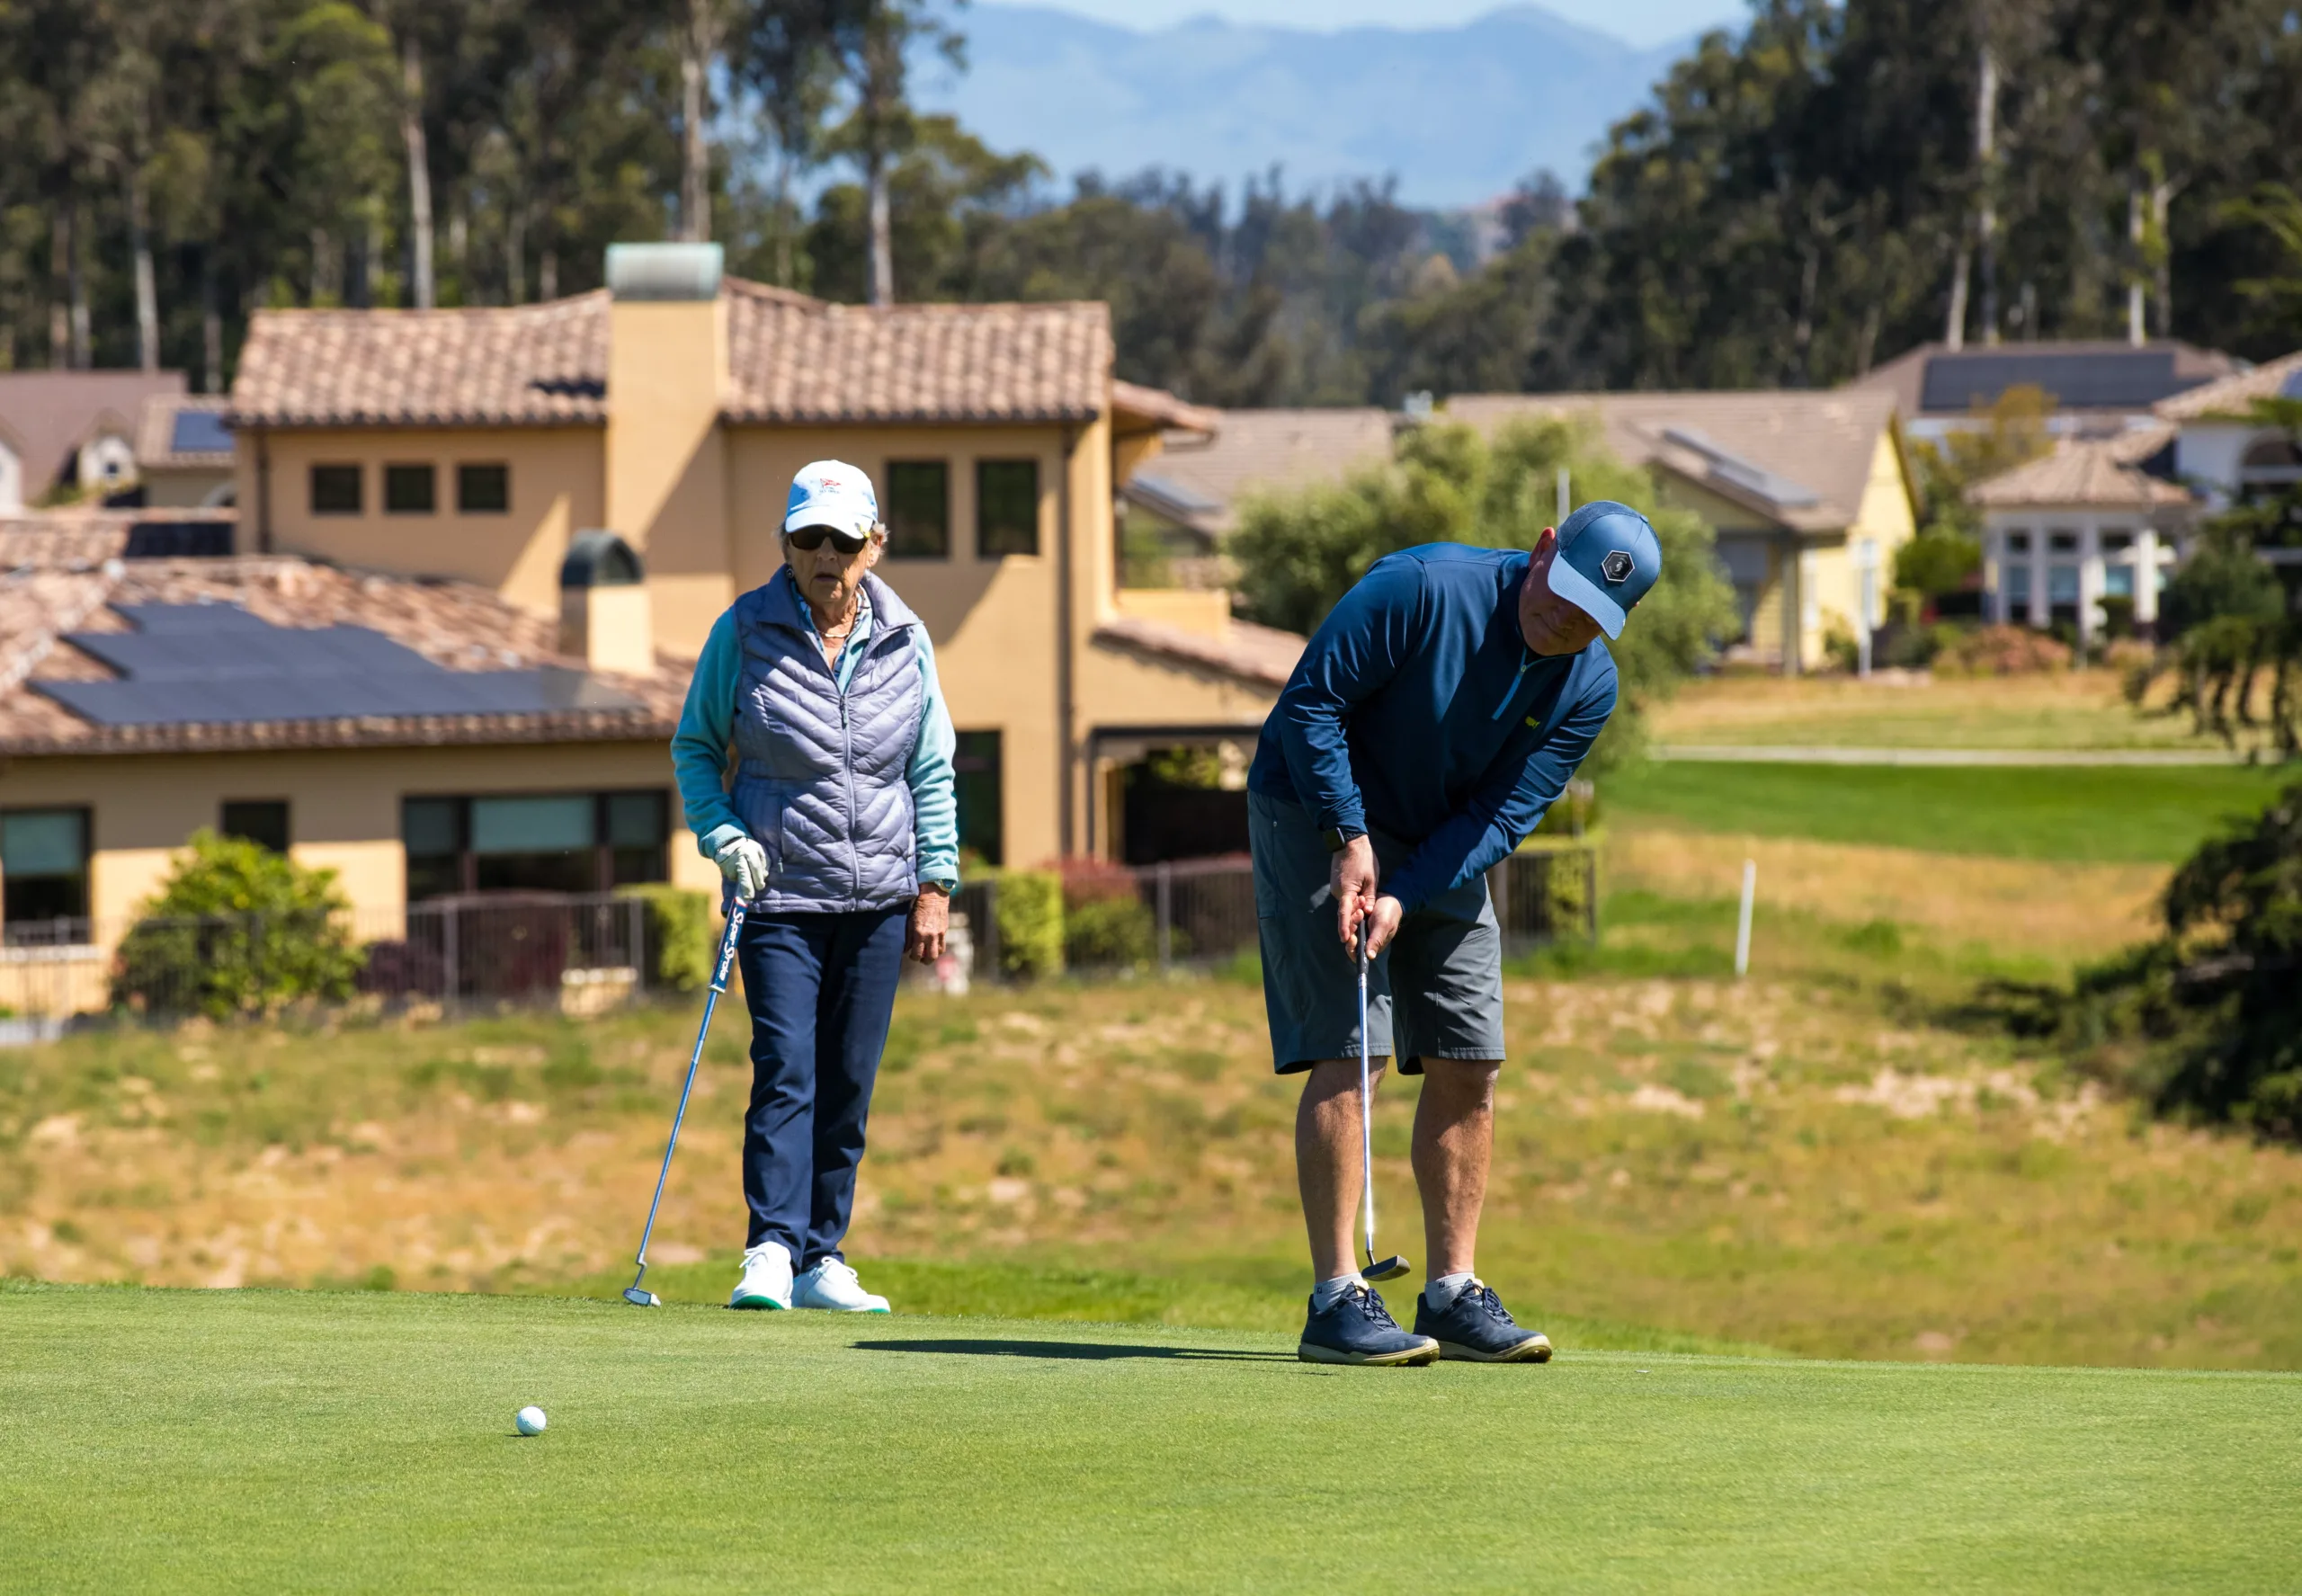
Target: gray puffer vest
<point>820,774</point>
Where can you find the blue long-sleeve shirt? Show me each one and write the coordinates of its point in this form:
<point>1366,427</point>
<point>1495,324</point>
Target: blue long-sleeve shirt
<point>699,747</point>
<point>1418,712</point>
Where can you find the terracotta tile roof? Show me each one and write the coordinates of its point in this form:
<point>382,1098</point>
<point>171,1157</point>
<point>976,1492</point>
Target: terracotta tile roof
<point>2234,396</point>
<point>1154,409</point>
<point>155,444</point>
<point>1261,655</point>
<point>2090,471</point>
<point>456,626</point>
<point>792,359</point>
<point>1199,480</point>
<point>534,365</point>
<point>45,416</point>
<point>1802,458</point>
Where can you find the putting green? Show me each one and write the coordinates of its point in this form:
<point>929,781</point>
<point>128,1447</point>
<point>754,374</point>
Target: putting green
<point>190,1441</point>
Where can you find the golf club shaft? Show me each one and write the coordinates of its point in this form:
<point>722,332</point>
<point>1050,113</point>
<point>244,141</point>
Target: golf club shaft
<point>1366,1104</point>
<point>710,1002</point>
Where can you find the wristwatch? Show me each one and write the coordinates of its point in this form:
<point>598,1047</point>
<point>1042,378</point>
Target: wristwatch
<point>1337,840</point>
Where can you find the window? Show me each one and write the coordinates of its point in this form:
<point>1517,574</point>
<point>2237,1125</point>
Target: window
<point>2062,542</point>
<point>2017,542</point>
<point>2118,581</point>
<point>483,490</point>
<point>2015,583</point>
<point>2062,585</point>
<point>919,510</point>
<point>335,490</point>
<point>1006,508</point>
<point>409,490</point>
<point>974,767</point>
<point>44,874</point>
<point>261,820</point>
<point>561,842</point>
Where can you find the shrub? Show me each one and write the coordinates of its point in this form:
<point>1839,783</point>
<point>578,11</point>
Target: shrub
<point>1107,932</point>
<point>2002,651</point>
<point>1030,923</point>
<point>236,929</point>
<point>680,939</point>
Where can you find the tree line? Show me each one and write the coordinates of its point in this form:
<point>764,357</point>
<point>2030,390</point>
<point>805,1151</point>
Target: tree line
<point>1799,199</point>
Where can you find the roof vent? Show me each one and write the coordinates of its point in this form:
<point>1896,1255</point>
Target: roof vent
<point>664,272</point>
<point>598,558</point>
<point>1746,475</point>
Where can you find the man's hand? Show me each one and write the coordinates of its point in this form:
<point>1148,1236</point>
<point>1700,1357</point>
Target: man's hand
<point>744,864</point>
<point>931,917</point>
<point>1351,879</point>
<point>1387,916</point>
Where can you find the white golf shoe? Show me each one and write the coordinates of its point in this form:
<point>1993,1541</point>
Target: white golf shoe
<point>833,1286</point>
<point>766,1282</point>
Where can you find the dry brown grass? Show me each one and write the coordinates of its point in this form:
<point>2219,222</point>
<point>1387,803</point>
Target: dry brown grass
<point>2059,911</point>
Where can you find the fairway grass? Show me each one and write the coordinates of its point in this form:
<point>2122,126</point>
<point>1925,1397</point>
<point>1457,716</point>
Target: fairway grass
<point>2112,816</point>
<point>197,1441</point>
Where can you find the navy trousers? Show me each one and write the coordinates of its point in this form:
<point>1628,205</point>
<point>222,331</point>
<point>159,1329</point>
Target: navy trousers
<point>821,989</point>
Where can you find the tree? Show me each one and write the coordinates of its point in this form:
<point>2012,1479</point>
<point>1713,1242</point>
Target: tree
<point>1296,554</point>
<point>873,40</point>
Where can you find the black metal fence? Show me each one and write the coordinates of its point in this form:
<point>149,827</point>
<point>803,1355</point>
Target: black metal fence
<point>586,953</point>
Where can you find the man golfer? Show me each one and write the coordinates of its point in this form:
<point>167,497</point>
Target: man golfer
<point>1437,713</point>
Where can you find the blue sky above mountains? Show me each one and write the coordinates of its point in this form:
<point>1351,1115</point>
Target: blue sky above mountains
<point>1458,110</point>
<point>1642,23</point>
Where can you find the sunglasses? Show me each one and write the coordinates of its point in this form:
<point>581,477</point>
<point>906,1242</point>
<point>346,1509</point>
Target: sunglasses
<point>814,538</point>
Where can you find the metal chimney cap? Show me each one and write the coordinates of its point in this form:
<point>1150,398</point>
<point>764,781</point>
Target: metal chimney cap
<point>664,272</point>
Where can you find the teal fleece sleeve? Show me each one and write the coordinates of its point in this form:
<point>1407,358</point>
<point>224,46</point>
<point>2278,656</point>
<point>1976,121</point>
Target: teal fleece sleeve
<point>699,745</point>
<point>934,797</point>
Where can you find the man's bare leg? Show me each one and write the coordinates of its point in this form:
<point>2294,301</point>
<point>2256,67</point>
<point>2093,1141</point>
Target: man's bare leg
<point>1454,1145</point>
<point>1327,1163</point>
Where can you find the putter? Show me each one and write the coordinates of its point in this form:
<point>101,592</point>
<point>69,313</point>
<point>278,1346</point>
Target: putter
<point>1393,1267</point>
<point>637,1294</point>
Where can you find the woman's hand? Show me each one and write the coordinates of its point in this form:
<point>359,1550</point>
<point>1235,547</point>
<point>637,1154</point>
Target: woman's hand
<point>931,917</point>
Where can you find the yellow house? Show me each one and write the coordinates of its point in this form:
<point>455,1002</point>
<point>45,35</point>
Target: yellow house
<point>559,499</point>
<point>1806,492</point>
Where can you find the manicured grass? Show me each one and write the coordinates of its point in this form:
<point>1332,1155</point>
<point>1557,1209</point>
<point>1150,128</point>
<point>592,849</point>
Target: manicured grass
<point>2107,815</point>
<point>268,1441</point>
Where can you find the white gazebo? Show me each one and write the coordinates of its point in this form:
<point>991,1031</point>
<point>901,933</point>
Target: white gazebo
<point>2077,526</point>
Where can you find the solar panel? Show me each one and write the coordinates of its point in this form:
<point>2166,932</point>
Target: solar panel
<point>2108,380</point>
<point>215,663</point>
<point>2292,388</point>
<point>200,432</point>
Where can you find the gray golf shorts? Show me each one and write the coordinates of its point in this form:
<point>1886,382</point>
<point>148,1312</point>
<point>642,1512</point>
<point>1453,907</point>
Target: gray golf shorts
<point>1436,992</point>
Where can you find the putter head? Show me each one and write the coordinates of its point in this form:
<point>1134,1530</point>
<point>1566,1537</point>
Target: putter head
<point>640,1298</point>
<point>1389,1269</point>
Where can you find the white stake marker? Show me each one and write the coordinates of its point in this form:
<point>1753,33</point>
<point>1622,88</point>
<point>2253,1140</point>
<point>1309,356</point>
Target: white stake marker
<point>1743,921</point>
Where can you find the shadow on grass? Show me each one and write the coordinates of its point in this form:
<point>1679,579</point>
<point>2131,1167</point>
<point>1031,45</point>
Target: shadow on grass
<point>1062,1350</point>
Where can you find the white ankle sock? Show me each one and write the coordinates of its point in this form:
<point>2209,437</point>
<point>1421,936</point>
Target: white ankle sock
<point>1441,1292</point>
<point>1327,1293</point>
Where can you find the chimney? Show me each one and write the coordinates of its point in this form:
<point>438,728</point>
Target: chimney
<point>666,454</point>
<point>604,616</point>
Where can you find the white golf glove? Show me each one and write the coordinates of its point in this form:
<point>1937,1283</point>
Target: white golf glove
<point>743,862</point>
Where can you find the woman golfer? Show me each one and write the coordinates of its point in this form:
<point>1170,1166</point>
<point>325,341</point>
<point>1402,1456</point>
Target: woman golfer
<point>840,829</point>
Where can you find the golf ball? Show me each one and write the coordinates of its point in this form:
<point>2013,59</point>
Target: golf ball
<point>530,1421</point>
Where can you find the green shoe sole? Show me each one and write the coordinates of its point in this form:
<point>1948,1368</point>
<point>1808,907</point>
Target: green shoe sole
<point>756,1303</point>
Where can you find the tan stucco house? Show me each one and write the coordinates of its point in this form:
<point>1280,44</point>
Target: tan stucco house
<point>1804,490</point>
<point>421,478</point>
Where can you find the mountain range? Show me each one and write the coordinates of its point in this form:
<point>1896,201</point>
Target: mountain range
<point>1458,114</point>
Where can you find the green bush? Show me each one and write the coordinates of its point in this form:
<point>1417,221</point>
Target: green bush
<point>236,929</point>
<point>1108,932</point>
<point>1030,923</point>
<point>681,936</point>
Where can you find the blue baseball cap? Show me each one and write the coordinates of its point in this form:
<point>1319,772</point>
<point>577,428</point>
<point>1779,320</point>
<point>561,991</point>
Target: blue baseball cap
<point>832,493</point>
<point>1608,559</point>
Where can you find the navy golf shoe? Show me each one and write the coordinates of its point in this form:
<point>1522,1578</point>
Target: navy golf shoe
<point>1476,1328</point>
<point>1359,1328</point>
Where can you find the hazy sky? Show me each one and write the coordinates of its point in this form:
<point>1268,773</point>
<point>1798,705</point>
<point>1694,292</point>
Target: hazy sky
<point>1637,21</point>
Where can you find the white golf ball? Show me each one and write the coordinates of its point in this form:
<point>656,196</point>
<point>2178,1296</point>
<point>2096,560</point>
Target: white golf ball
<point>530,1421</point>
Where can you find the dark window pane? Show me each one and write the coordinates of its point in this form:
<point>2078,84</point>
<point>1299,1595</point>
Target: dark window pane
<point>261,820</point>
<point>919,510</point>
<point>434,877</point>
<point>432,826</point>
<point>1006,507</point>
<point>335,490</point>
<point>636,820</point>
<point>974,767</point>
<point>629,867</point>
<point>37,899</point>
<point>408,490</point>
<point>44,874</point>
<point>483,490</point>
<point>577,870</point>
